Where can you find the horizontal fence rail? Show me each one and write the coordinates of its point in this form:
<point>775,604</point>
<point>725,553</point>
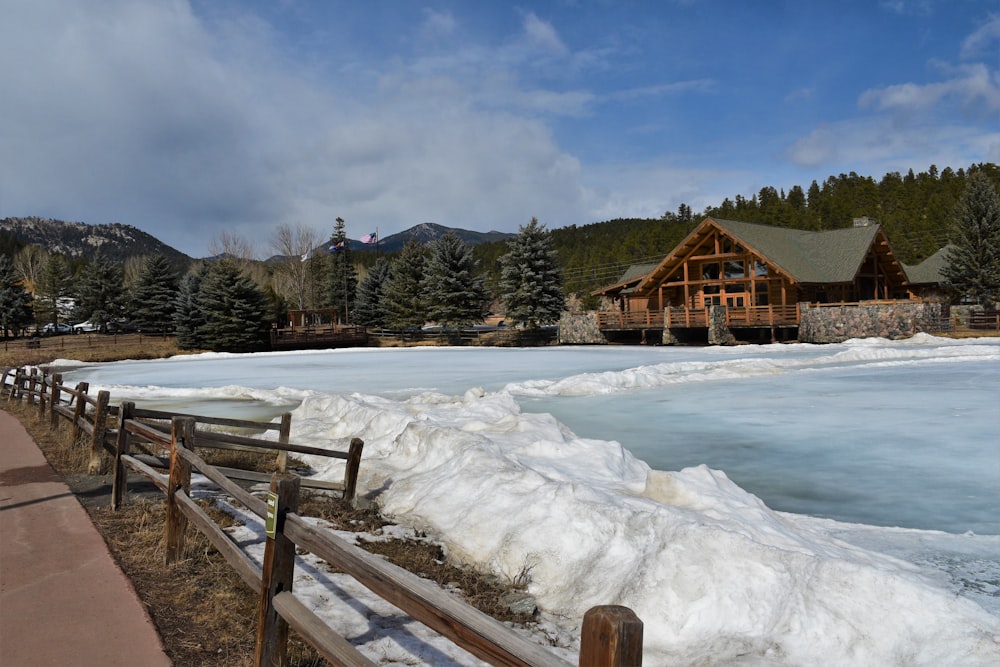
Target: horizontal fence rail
<point>611,635</point>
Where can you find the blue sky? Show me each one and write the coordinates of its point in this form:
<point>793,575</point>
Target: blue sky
<point>194,118</point>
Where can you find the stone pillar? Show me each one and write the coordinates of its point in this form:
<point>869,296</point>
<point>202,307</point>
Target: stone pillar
<point>718,332</point>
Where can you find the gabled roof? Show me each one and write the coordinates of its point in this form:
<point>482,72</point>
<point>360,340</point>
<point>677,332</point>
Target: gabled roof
<point>806,257</point>
<point>629,279</point>
<point>929,271</point>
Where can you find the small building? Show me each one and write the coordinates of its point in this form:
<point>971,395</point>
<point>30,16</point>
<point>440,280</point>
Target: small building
<point>748,275</point>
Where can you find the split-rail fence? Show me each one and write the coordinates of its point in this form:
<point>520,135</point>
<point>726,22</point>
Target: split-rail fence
<point>135,438</point>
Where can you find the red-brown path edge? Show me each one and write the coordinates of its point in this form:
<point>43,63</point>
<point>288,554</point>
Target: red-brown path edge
<point>63,599</point>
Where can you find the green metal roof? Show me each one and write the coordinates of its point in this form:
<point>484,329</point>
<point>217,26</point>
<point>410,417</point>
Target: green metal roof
<point>808,257</point>
<point>928,272</point>
<point>636,271</point>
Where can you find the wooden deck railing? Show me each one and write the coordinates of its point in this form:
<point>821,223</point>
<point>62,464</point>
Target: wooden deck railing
<point>697,318</point>
<point>630,319</point>
<point>611,635</point>
<point>761,316</point>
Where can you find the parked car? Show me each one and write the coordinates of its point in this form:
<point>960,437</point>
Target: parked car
<point>56,329</point>
<point>86,327</point>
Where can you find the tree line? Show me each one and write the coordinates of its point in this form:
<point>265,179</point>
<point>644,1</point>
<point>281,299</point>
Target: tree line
<point>229,303</point>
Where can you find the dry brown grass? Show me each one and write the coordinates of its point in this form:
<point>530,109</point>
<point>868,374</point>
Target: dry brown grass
<point>202,610</point>
<point>87,347</point>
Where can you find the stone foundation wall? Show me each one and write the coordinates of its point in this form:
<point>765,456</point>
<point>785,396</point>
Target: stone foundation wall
<point>835,324</point>
<point>580,329</point>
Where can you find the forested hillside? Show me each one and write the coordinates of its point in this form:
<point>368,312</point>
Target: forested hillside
<point>915,209</point>
<point>79,241</point>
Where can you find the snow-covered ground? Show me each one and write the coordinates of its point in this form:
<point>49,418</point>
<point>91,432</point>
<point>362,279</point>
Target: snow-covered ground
<point>510,458</point>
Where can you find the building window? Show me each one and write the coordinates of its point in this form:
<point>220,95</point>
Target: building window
<point>735,270</point>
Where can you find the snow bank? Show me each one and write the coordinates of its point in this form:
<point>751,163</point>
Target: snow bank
<point>713,573</point>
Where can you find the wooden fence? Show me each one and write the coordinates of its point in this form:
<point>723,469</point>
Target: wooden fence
<point>611,635</point>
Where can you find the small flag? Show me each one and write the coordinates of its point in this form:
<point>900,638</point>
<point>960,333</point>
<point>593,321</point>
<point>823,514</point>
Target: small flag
<point>336,247</point>
<point>370,238</point>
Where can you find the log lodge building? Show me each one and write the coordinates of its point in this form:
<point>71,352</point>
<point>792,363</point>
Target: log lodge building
<point>732,280</point>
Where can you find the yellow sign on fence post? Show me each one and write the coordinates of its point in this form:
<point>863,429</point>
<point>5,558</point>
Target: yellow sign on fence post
<point>271,518</point>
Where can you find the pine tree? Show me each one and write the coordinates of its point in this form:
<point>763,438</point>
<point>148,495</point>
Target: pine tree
<point>15,302</point>
<point>189,316</point>
<point>343,283</point>
<point>404,299</point>
<point>154,295</point>
<point>973,262</point>
<point>235,310</point>
<point>100,295</point>
<point>369,306</point>
<point>530,283</point>
<point>456,296</point>
<point>53,287</point>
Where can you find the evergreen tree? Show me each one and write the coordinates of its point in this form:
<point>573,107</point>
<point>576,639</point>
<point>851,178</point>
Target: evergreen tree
<point>154,295</point>
<point>100,295</point>
<point>404,300</point>
<point>343,283</point>
<point>189,317</point>
<point>973,268</point>
<point>15,302</point>
<point>530,283</point>
<point>235,310</point>
<point>52,289</point>
<point>455,294</point>
<point>369,306</point>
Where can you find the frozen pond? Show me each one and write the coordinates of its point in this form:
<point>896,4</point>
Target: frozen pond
<point>892,434</point>
<point>742,501</point>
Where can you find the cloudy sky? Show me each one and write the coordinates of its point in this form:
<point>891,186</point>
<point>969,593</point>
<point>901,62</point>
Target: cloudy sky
<point>190,118</point>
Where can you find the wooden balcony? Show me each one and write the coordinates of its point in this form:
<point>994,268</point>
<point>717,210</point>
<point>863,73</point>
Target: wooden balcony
<point>697,318</point>
<point>630,319</point>
<point>763,316</point>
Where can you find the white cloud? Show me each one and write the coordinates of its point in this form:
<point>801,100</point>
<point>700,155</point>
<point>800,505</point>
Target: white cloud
<point>438,23</point>
<point>542,36</point>
<point>876,145</point>
<point>140,113</point>
<point>973,87</point>
<point>982,42</point>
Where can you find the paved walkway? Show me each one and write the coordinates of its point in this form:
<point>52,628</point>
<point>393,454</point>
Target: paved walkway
<point>63,599</point>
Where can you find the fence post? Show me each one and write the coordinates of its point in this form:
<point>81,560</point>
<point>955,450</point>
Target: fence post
<point>80,408</point>
<point>56,391</point>
<point>32,381</point>
<point>182,436</point>
<point>15,378</point>
<point>41,395</point>
<point>283,434</point>
<point>100,428</point>
<point>351,470</point>
<point>277,573</point>
<point>612,637</point>
<point>119,483</point>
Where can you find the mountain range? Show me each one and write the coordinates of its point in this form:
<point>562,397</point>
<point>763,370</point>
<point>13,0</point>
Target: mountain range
<point>118,242</point>
<point>78,240</point>
<point>425,233</point>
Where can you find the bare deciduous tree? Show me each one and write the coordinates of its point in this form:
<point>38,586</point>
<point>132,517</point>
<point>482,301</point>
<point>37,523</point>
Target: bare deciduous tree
<point>29,264</point>
<point>292,277</point>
